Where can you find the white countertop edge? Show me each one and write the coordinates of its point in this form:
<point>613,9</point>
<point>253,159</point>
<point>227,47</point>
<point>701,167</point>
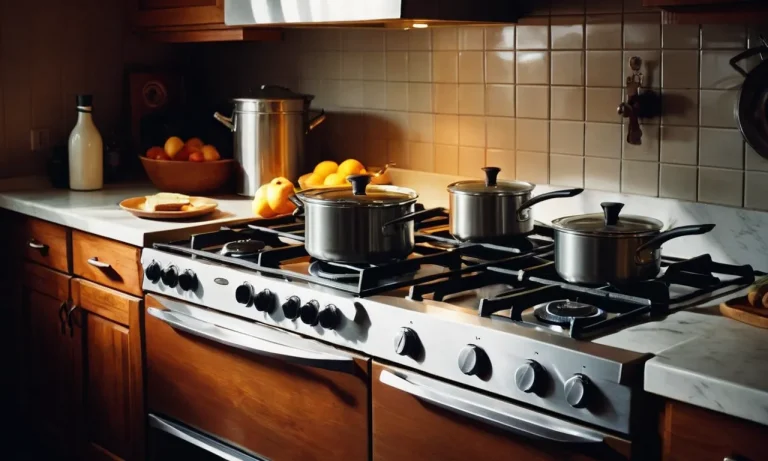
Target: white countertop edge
<point>704,391</point>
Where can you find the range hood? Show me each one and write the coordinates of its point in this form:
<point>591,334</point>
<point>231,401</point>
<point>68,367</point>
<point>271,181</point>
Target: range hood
<point>370,13</point>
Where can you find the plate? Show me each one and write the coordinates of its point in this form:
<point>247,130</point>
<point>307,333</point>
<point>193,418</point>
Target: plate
<point>202,206</point>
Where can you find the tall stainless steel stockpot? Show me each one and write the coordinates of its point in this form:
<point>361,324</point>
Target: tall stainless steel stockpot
<point>269,131</point>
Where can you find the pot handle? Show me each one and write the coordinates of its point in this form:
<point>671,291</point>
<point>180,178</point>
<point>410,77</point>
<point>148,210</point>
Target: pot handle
<point>316,120</point>
<point>417,216</point>
<point>299,205</point>
<point>659,240</point>
<point>744,55</point>
<point>549,195</point>
<point>226,121</point>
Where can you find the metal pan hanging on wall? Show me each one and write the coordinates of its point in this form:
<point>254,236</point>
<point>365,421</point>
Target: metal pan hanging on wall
<point>751,110</point>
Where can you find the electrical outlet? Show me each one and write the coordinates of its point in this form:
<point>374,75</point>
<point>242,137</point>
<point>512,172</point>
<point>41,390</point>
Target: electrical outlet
<point>40,139</point>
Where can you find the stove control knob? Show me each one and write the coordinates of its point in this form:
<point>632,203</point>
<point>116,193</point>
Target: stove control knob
<point>406,342</point>
<point>265,301</point>
<point>153,272</point>
<point>577,391</point>
<point>330,317</point>
<point>170,276</point>
<point>188,280</point>
<point>244,293</point>
<point>310,313</point>
<point>291,308</point>
<point>529,376</point>
<point>474,361</point>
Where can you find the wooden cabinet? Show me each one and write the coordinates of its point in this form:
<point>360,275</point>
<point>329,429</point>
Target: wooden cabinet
<point>694,433</point>
<point>711,11</point>
<point>192,21</point>
<point>107,330</point>
<point>49,379</point>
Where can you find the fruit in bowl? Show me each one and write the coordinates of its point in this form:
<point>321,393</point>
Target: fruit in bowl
<point>330,174</point>
<point>190,167</point>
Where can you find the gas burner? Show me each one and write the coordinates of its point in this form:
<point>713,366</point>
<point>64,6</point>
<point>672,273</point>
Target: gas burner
<point>242,248</point>
<point>344,272</point>
<point>562,311</point>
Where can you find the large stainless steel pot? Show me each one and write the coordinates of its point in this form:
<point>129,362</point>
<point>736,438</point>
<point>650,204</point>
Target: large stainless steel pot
<point>269,132</point>
<point>354,225</point>
<point>608,248</point>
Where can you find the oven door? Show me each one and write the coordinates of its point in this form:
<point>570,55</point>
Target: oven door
<point>417,418</point>
<point>251,388</point>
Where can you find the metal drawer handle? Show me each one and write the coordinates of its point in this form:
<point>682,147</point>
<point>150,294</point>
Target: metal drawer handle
<point>500,414</point>
<point>199,440</point>
<point>253,344</point>
<point>96,263</point>
<point>41,247</point>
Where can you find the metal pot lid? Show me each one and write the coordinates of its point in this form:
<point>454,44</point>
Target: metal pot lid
<point>609,223</point>
<point>360,194</point>
<point>273,99</point>
<point>275,92</point>
<point>491,186</point>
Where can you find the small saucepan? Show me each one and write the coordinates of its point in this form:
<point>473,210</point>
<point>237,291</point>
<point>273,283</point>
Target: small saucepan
<point>607,248</point>
<point>492,210</point>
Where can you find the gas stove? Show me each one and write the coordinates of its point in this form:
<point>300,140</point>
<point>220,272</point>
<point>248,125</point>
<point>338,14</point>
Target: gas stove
<point>493,317</point>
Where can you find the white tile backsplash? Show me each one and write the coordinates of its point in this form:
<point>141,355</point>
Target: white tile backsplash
<point>756,190</point>
<point>540,100</point>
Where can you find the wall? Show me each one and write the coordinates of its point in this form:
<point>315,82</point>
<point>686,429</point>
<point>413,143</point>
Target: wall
<point>538,99</point>
<point>51,50</point>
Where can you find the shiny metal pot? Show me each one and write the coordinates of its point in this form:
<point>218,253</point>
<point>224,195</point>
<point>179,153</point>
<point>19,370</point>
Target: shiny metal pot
<point>490,210</point>
<point>269,132</point>
<point>354,225</point>
<point>608,248</point>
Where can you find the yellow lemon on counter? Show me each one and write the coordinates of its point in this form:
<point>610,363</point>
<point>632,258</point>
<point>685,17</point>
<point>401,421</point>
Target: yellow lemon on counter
<point>261,205</point>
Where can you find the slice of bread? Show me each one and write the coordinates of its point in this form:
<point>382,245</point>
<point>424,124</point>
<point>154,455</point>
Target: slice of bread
<point>165,201</point>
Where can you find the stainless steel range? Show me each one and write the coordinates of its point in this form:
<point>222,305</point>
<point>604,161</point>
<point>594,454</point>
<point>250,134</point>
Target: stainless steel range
<point>487,331</point>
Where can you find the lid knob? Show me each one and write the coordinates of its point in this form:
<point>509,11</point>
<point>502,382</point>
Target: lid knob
<point>491,172</point>
<point>359,183</point>
<point>611,211</point>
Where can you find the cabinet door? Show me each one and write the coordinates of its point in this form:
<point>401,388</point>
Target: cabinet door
<point>49,397</point>
<point>107,324</point>
<point>176,13</point>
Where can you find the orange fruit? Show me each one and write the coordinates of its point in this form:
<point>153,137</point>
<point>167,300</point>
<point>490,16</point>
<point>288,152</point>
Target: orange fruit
<point>278,192</point>
<point>173,146</point>
<point>335,179</point>
<point>325,168</point>
<point>210,153</point>
<point>196,157</point>
<point>154,152</point>
<point>285,208</point>
<point>194,144</point>
<point>260,205</point>
<point>350,166</point>
<point>183,154</point>
<point>314,180</point>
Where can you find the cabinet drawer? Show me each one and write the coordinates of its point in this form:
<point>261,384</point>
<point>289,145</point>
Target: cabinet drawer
<point>107,262</point>
<point>105,302</point>
<point>45,243</point>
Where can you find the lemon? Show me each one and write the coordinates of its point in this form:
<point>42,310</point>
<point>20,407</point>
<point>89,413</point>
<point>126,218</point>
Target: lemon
<point>350,166</point>
<point>334,179</point>
<point>325,168</point>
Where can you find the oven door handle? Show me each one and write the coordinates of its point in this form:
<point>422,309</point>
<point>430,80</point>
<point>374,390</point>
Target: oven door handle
<point>502,415</point>
<point>253,344</point>
<point>199,440</point>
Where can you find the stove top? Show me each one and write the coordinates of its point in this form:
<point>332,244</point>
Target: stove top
<point>513,281</point>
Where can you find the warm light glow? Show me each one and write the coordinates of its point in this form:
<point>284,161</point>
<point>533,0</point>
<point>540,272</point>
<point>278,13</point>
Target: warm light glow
<point>420,25</point>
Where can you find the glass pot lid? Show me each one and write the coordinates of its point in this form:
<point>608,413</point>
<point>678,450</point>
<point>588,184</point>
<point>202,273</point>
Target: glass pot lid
<point>360,194</point>
<point>491,186</point>
<point>609,223</point>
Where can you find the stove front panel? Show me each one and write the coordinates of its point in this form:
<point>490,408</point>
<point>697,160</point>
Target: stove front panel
<point>491,355</point>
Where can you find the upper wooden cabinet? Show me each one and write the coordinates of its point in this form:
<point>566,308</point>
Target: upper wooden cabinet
<point>711,11</point>
<point>192,21</point>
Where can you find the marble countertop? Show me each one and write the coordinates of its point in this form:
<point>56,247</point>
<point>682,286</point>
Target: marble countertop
<point>98,212</point>
<point>704,359</point>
